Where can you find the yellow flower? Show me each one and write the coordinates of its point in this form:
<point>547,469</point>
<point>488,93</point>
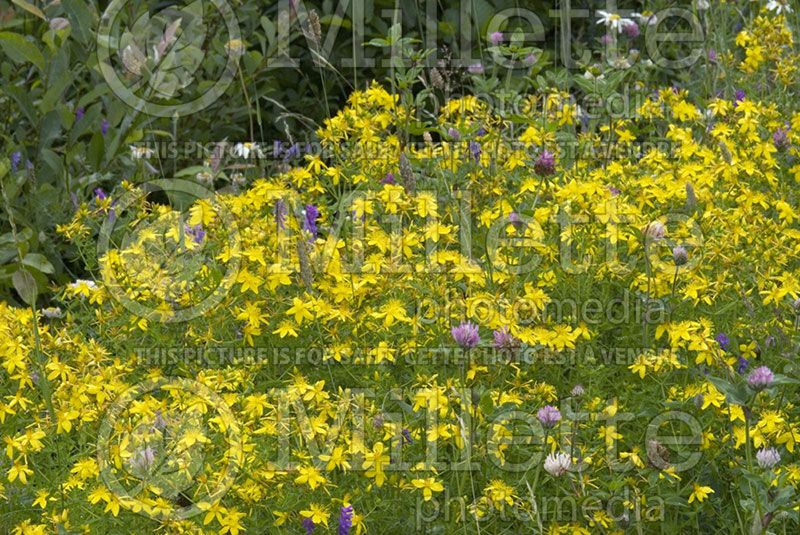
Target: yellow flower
<point>700,493</point>
<point>311,476</point>
<point>316,513</point>
<point>429,485</point>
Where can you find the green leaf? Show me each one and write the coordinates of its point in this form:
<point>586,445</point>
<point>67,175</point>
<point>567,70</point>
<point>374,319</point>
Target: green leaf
<point>81,18</point>
<point>38,261</point>
<point>25,285</point>
<point>20,50</point>
<point>30,8</point>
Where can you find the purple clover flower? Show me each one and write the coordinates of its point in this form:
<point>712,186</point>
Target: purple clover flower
<point>345,520</point>
<point>631,30</point>
<point>496,38</point>
<point>760,378</point>
<point>768,457</point>
<point>780,138</point>
<point>545,164</point>
<point>466,335</point>
<point>504,340</point>
<point>475,68</point>
<point>549,416</point>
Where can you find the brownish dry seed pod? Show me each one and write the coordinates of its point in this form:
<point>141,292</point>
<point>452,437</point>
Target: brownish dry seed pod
<point>314,31</point>
<point>407,177</point>
<point>436,79</point>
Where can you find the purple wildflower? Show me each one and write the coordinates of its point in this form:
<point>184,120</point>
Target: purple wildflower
<point>741,365</point>
<point>466,335</point>
<point>496,38</point>
<point>545,164</point>
<point>100,194</point>
<point>388,179</point>
<point>712,55</point>
<point>16,159</point>
<point>196,232</point>
<point>407,436</point>
<point>454,134</point>
<point>79,114</point>
<point>345,520</point>
<point>104,127</point>
<point>309,526</point>
<point>760,378</point>
<point>780,138</point>
<point>679,255</point>
<point>504,340</point>
<point>310,223</point>
<point>549,416</point>
<point>280,214</point>
<point>475,149</point>
<point>614,190</point>
<point>739,96</point>
<point>768,457</point>
<point>144,458</point>
<point>631,30</point>
<point>515,219</point>
<point>723,340</point>
<point>475,68</point>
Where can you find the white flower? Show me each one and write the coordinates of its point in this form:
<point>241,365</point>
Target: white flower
<point>52,312</point>
<point>243,150</point>
<point>646,18</point>
<point>779,6</point>
<point>557,464</point>
<point>613,22</point>
<point>82,287</point>
<point>768,457</point>
<point>702,5</point>
<point>139,153</point>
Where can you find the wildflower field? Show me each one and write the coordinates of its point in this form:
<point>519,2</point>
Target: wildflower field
<point>366,268</point>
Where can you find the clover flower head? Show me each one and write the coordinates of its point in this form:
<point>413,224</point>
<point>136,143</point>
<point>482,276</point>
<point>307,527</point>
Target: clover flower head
<point>557,464</point>
<point>545,164</point>
<point>466,335</point>
<point>768,457</point>
<point>760,378</point>
<point>549,416</point>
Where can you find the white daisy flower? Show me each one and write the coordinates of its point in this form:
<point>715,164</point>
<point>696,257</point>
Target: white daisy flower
<point>779,6</point>
<point>243,150</point>
<point>613,22</point>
